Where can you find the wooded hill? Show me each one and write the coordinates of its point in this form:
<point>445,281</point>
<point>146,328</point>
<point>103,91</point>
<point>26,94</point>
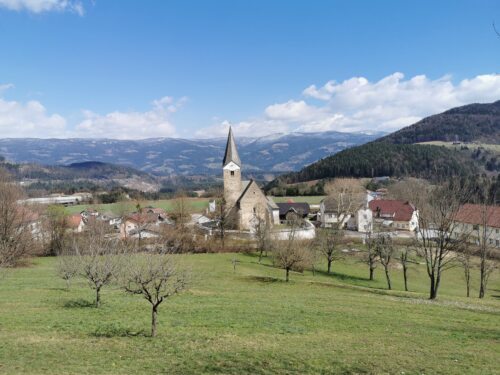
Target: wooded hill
<point>397,155</point>
<point>469,123</point>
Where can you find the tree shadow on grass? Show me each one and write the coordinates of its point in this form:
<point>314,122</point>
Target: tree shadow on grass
<point>116,330</point>
<point>263,279</point>
<point>78,303</point>
<point>342,276</point>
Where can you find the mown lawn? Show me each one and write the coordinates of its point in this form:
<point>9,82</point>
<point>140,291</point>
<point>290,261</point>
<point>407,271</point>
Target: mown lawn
<point>250,322</point>
<point>194,204</point>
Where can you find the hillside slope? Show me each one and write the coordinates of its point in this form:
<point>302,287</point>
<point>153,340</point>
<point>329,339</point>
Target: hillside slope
<point>469,123</point>
<point>398,155</point>
<point>96,173</point>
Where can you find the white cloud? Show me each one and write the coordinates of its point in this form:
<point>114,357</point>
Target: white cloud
<point>358,104</point>
<point>29,120</point>
<point>41,6</point>
<point>132,125</point>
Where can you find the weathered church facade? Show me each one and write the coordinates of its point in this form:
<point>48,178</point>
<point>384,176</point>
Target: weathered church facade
<point>245,200</point>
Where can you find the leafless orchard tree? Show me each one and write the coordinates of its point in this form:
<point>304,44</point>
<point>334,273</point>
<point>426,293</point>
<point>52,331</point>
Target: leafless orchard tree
<point>371,256</point>
<point>465,259</point>
<point>67,267</point>
<point>405,258</point>
<point>56,229</point>
<point>291,253</point>
<point>438,207</point>
<point>156,277</point>
<point>328,243</point>
<point>16,236</point>
<point>384,248</point>
<point>345,197</point>
<point>483,233</point>
<point>262,234</point>
<point>224,215</point>
<point>99,257</point>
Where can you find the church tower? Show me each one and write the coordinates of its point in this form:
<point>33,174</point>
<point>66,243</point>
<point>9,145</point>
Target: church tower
<point>231,165</point>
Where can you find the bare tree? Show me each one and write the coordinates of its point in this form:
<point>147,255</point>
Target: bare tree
<point>224,215</point>
<point>370,255</point>
<point>67,267</point>
<point>345,197</point>
<point>405,258</point>
<point>262,234</point>
<point>483,233</point>
<point>438,207</point>
<point>328,242</point>
<point>465,259</point>
<point>99,258</point>
<point>291,253</point>
<point>156,277</point>
<point>56,228</point>
<point>16,234</point>
<point>384,248</point>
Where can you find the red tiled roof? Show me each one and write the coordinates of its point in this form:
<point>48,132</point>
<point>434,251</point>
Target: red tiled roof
<point>476,213</point>
<point>73,221</point>
<point>392,209</point>
<point>144,218</point>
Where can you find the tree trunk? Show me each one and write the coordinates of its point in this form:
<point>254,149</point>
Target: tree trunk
<point>329,266</point>
<point>388,277</point>
<point>154,320</point>
<point>482,277</point>
<point>434,286</point>
<point>405,276</point>
<point>260,255</point>
<point>97,297</point>
<point>287,275</point>
<point>371,273</point>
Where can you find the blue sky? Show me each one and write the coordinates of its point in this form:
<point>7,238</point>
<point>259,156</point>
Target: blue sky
<point>138,69</point>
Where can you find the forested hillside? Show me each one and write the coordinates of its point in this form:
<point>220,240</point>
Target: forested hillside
<point>469,123</point>
<point>474,128</point>
<point>385,159</point>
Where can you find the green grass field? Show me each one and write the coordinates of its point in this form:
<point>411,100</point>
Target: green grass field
<point>472,146</point>
<point>249,322</point>
<point>314,199</point>
<point>195,204</point>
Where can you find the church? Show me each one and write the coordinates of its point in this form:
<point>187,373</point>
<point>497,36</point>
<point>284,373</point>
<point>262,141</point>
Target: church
<point>245,200</point>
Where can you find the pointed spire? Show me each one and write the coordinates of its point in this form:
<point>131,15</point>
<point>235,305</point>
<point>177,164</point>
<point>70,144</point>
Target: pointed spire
<point>231,154</point>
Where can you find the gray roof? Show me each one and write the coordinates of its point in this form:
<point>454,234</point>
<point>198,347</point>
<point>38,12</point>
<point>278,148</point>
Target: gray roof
<point>231,154</point>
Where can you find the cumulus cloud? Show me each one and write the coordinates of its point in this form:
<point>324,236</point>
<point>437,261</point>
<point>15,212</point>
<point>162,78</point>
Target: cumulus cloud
<point>41,6</point>
<point>132,125</point>
<point>358,104</point>
<point>29,120</point>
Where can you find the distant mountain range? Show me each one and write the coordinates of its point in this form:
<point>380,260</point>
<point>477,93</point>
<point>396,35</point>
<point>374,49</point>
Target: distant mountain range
<point>460,141</point>
<point>186,157</point>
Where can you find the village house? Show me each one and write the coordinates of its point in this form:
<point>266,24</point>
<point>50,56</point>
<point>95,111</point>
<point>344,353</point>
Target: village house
<point>75,223</point>
<point>397,214</point>
<point>360,219</point>
<point>244,199</point>
<point>143,225</point>
<point>471,219</point>
<point>292,210</point>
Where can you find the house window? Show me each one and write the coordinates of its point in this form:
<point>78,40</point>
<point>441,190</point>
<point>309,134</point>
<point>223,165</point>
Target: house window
<point>232,173</point>
<point>497,242</point>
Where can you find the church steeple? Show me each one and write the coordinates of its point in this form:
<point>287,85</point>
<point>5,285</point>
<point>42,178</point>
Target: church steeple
<point>231,166</point>
<point>231,154</point>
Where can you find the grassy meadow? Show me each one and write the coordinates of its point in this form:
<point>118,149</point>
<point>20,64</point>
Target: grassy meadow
<point>250,322</point>
<point>194,204</point>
